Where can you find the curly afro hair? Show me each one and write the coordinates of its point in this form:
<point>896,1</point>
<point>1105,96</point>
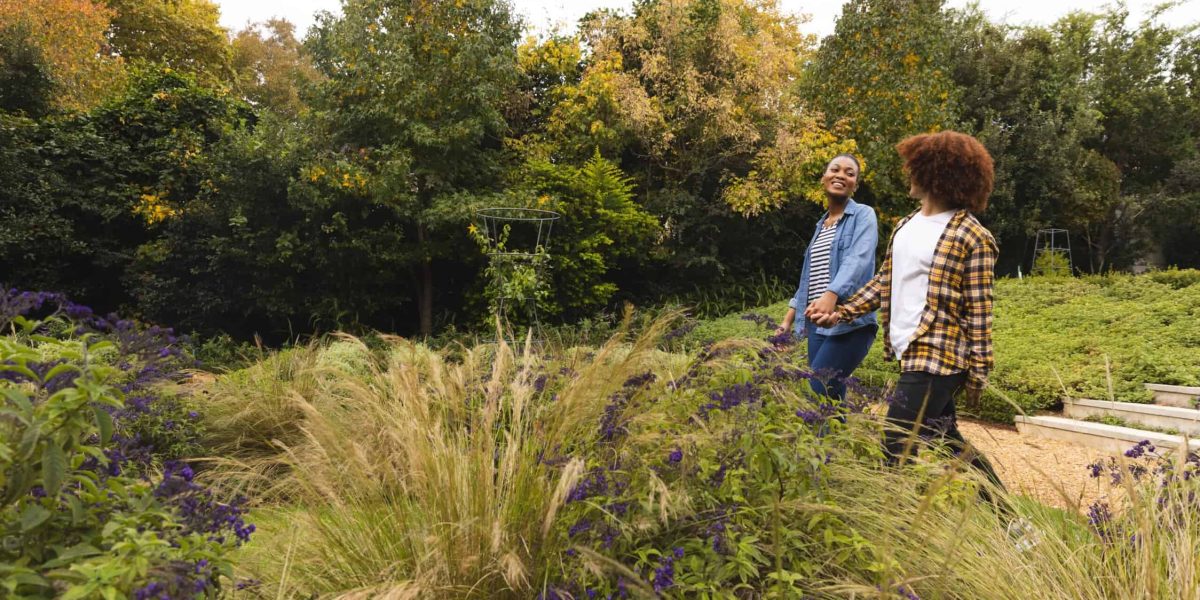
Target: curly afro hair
<point>952,167</point>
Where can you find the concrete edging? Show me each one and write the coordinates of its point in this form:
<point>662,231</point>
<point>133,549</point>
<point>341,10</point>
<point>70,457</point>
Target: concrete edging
<point>1109,438</point>
<point>1186,420</point>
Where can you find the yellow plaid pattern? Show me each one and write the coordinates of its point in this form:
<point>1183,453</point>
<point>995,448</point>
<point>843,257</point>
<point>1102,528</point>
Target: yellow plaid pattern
<point>955,333</point>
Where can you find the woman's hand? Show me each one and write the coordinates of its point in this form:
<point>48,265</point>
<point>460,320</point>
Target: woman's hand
<point>827,319</point>
<point>788,320</point>
<point>824,305</point>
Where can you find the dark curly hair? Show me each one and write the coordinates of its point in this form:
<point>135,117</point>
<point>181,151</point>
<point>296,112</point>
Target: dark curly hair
<point>952,167</point>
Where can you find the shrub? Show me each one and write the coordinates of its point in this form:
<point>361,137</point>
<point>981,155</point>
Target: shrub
<point>86,512</point>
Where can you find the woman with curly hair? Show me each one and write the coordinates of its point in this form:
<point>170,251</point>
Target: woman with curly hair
<point>934,292</point>
<point>839,260</point>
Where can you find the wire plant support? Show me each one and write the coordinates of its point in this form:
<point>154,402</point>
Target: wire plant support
<point>515,240</point>
<point>1052,253</point>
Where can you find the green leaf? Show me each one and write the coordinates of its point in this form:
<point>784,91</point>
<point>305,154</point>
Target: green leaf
<point>54,468</point>
<point>32,516</point>
<point>29,441</point>
<point>77,512</point>
<point>19,398</point>
<point>72,554</point>
<point>22,369</point>
<point>105,423</point>
<point>59,370</point>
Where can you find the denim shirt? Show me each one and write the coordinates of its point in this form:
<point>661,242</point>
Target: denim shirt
<point>851,266</point>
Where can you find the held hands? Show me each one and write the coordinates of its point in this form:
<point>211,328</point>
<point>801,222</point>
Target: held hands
<point>826,319</point>
<point>823,311</point>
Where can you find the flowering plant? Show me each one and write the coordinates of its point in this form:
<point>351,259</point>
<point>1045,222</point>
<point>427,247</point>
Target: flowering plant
<point>712,485</point>
<point>84,512</point>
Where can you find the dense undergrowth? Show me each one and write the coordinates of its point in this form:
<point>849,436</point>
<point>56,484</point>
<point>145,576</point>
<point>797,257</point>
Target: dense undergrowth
<point>627,470</point>
<point>648,465</point>
<point>97,499</point>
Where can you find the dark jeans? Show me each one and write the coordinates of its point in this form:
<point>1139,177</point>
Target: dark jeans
<point>835,357</point>
<point>928,400</point>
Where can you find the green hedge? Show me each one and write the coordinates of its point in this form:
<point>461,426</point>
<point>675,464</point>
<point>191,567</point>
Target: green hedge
<point>1054,333</point>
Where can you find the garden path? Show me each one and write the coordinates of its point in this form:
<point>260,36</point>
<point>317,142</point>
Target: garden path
<point>1051,471</point>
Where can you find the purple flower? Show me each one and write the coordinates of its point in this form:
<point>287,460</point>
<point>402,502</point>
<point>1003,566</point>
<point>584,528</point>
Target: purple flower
<point>664,575</point>
<point>675,456</point>
<point>579,527</point>
<point>781,339</point>
<point>1140,449</point>
<point>730,397</point>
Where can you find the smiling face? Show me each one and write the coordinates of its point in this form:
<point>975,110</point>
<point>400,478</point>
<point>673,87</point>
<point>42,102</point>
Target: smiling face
<point>841,178</point>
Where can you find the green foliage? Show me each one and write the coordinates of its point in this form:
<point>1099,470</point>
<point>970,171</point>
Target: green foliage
<point>184,35</point>
<point>886,72</point>
<point>418,90</point>
<point>602,229</point>
<point>71,527</point>
<point>93,189</point>
<point>1052,261</point>
<point>26,86</point>
<point>271,67</point>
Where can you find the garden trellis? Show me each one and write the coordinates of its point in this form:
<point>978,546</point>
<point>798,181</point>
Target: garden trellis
<point>1052,253</point>
<point>515,240</point>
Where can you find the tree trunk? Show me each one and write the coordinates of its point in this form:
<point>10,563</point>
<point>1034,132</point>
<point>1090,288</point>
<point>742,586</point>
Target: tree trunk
<point>425,288</point>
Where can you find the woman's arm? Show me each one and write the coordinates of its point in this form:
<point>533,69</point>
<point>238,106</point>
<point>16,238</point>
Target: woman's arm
<point>978,284</point>
<point>859,258</point>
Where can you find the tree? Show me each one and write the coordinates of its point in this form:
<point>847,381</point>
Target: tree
<point>92,192</point>
<point>271,66</point>
<point>602,228</point>
<point>690,96</point>
<point>1136,85</point>
<point>1033,111</point>
<point>25,85</point>
<point>885,72</point>
<point>419,90</point>
<point>184,35</point>
<point>68,37</point>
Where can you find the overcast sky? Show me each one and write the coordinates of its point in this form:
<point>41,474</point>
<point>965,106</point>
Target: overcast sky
<point>544,14</point>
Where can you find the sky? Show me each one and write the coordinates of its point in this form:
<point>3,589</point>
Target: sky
<point>543,15</point>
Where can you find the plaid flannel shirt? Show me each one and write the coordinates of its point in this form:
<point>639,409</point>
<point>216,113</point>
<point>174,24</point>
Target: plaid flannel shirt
<point>955,332</point>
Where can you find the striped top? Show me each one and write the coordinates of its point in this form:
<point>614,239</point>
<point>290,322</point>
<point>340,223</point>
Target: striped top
<point>818,276</point>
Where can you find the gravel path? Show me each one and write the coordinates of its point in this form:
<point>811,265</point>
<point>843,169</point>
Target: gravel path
<point>1052,471</point>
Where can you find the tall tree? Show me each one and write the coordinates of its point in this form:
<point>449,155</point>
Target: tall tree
<point>1136,85</point>
<point>1032,109</point>
<point>885,71</point>
<point>69,37</point>
<point>692,96</point>
<point>419,89</point>
<point>271,66</point>
<point>184,35</point>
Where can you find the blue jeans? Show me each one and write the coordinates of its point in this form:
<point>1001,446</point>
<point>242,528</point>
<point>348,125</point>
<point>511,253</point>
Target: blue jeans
<point>835,357</point>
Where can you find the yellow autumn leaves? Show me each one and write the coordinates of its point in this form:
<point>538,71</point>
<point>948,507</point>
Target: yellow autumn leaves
<point>154,209</point>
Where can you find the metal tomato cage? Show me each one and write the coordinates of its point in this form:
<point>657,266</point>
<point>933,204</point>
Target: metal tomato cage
<point>517,239</point>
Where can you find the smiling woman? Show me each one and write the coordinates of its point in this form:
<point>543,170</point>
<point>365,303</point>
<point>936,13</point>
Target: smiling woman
<point>840,259</point>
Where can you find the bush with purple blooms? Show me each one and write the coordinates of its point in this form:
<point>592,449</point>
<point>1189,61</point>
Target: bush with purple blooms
<point>83,431</point>
<point>1165,488</point>
<point>712,483</point>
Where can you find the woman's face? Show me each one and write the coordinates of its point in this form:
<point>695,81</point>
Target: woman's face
<point>841,177</point>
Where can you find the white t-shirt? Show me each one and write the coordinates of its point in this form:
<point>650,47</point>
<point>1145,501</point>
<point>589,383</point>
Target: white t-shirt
<point>912,258</point>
